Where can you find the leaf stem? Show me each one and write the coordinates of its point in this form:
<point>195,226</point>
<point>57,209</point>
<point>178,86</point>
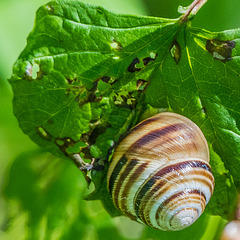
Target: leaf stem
<point>80,163</point>
<point>193,9</point>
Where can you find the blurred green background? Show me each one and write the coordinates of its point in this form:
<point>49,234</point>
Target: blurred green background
<point>16,21</point>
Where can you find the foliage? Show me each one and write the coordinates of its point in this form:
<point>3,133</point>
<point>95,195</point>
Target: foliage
<point>87,75</point>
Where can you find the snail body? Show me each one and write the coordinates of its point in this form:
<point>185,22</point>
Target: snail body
<point>159,173</point>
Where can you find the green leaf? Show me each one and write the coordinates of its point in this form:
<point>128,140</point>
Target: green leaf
<point>76,92</point>
<point>100,192</point>
<point>224,188</point>
<point>87,75</point>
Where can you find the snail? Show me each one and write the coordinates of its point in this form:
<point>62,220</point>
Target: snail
<point>159,173</point>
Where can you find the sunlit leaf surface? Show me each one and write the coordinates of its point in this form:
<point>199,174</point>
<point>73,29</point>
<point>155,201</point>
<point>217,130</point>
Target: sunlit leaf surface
<point>87,75</point>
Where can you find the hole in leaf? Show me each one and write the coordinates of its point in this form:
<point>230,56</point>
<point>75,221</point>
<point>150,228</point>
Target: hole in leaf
<point>50,8</point>
<point>42,133</point>
<point>126,99</point>
<point>95,95</point>
<point>152,57</point>
<point>176,51</point>
<point>132,67</point>
<point>70,81</point>
<point>110,80</point>
<point>105,79</point>
<point>33,71</point>
<point>116,45</point>
<point>142,85</point>
<point>204,110</point>
<point>220,50</point>
<point>68,146</point>
<point>137,65</point>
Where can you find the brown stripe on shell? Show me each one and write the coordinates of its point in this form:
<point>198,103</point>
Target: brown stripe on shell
<point>166,176</point>
<point>166,146</point>
<point>182,193</point>
<point>164,171</point>
<point>174,201</point>
<point>118,168</point>
<point>154,136</point>
<point>131,180</point>
<point>138,127</point>
<point>194,199</point>
<point>129,166</point>
<point>143,124</point>
<point>166,150</point>
<point>144,217</point>
<point>166,179</point>
<point>163,138</point>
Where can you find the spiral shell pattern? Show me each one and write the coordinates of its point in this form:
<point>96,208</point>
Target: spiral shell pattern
<point>159,174</point>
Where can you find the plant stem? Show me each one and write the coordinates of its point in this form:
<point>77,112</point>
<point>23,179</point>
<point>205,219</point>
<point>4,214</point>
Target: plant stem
<point>80,163</point>
<point>193,9</point>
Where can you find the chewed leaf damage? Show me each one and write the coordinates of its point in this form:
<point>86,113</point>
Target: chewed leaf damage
<point>33,71</point>
<point>137,64</point>
<point>220,50</point>
<point>176,52</point>
<point>43,133</point>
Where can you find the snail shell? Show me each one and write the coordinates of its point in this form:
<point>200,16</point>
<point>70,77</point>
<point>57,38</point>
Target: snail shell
<point>159,174</point>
